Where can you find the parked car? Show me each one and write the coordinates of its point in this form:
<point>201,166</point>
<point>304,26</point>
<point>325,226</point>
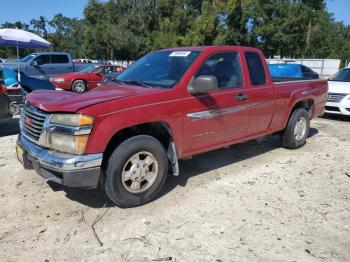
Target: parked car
<point>16,93</point>
<point>82,61</point>
<point>28,83</point>
<point>88,78</point>
<point>5,114</point>
<point>45,64</point>
<point>171,104</point>
<point>288,72</point>
<point>338,101</point>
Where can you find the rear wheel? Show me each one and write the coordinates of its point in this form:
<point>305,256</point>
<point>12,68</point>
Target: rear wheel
<point>79,86</point>
<point>297,130</point>
<point>136,171</point>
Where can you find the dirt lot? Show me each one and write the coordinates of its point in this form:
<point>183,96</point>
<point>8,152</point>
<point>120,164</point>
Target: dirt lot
<point>252,202</point>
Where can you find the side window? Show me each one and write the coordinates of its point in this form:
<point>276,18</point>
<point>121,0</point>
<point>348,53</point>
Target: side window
<point>226,67</point>
<point>43,59</point>
<point>109,69</point>
<point>305,70</point>
<point>59,59</point>
<point>101,70</point>
<point>255,68</point>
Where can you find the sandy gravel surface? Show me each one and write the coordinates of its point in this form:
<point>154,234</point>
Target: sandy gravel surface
<point>254,201</point>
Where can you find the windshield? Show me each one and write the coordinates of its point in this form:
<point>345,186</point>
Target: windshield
<point>159,69</point>
<point>27,58</point>
<point>89,69</point>
<point>343,75</point>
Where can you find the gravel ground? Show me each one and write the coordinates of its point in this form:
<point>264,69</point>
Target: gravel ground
<point>254,201</point>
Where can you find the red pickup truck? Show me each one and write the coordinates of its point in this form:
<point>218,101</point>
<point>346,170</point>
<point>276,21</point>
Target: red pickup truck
<point>171,104</point>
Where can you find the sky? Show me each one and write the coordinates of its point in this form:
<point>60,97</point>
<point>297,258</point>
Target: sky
<point>25,10</point>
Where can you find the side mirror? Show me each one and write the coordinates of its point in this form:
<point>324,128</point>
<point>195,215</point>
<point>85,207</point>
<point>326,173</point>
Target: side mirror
<point>203,84</point>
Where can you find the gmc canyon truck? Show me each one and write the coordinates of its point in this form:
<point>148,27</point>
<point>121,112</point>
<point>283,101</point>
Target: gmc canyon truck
<point>45,64</point>
<point>170,105</point>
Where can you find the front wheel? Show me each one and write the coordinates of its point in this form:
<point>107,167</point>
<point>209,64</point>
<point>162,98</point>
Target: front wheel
<point>79,86</point>
<point>136,171</point>
<point>297,130</point>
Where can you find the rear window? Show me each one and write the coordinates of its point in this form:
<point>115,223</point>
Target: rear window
<point>255,68</point>
<point>59,59</point>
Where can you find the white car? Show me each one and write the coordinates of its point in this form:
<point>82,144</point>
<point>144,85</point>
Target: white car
<point>338,101</point>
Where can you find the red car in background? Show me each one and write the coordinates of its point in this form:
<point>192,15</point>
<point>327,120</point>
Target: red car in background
<point>88,78</point>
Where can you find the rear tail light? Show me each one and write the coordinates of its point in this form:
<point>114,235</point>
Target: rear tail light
<point>2,89</point>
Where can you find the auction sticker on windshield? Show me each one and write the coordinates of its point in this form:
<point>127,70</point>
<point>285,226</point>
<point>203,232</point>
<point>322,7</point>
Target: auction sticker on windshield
<point>180,53</point>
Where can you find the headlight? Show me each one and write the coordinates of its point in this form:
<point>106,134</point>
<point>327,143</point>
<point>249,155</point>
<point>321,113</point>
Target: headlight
<point>67,143</point>
<point>58,80</point>
<point>72,119</point>
<point>69,133</point>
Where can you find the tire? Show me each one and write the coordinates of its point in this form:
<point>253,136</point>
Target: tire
<point>123,163</point>
<point>79,86</point>
<point>295,137</point>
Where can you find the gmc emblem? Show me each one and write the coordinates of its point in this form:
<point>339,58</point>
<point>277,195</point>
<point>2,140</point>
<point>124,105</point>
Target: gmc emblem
<point>27,121</point>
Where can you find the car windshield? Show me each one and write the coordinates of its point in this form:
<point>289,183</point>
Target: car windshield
<point>159,69</point>
<point>89,69</point>
<point>343,75</point>
<point>27,58</point>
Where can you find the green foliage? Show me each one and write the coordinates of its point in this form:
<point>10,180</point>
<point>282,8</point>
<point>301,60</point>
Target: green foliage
<point>126,29</point>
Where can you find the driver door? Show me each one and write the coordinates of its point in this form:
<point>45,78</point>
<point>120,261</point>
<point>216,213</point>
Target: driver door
<point>219,116</point>
<point>40,66</point>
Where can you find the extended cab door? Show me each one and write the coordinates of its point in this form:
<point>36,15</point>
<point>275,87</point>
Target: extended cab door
<point>60,64</point>
<point>219,116</point>
<point>260,93</point>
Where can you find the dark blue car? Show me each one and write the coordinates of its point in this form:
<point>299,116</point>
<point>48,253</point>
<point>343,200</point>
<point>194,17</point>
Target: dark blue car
<point>28,83</point>
<point>12,96</point>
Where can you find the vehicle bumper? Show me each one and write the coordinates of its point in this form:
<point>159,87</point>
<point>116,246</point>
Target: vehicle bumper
<point>81,171</point>
<point>62,85</point>
<point>339,108</point>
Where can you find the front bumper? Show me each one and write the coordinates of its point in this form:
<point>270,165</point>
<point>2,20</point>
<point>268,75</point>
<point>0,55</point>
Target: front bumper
<point>81,171</point>
<point>339,108</point>
<point>62,85</point>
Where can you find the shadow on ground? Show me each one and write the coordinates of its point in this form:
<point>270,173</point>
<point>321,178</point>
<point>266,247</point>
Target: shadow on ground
<point>9,128</point>
<point>188,168</point>
<point>336,117</point>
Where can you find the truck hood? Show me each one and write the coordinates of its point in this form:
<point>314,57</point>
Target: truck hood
<point>67,101</point>
<point>339,87</point>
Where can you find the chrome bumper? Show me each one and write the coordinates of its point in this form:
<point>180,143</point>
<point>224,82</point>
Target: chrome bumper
<point>67,169</point>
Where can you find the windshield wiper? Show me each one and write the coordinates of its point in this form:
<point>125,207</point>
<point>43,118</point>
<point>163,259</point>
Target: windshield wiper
<point>135,82</point>
<point>119,81</point>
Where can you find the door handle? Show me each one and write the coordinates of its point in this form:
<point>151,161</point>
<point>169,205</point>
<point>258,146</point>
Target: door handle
<point>241,97</point>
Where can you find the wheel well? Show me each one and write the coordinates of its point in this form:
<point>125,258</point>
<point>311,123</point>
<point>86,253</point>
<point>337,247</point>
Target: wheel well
<point>306,104</point>
<point>27,89</point>
<point>158,130</point>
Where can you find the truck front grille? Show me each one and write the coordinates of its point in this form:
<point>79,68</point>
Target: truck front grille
<point>32,121</point>
<point>335,97</point>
